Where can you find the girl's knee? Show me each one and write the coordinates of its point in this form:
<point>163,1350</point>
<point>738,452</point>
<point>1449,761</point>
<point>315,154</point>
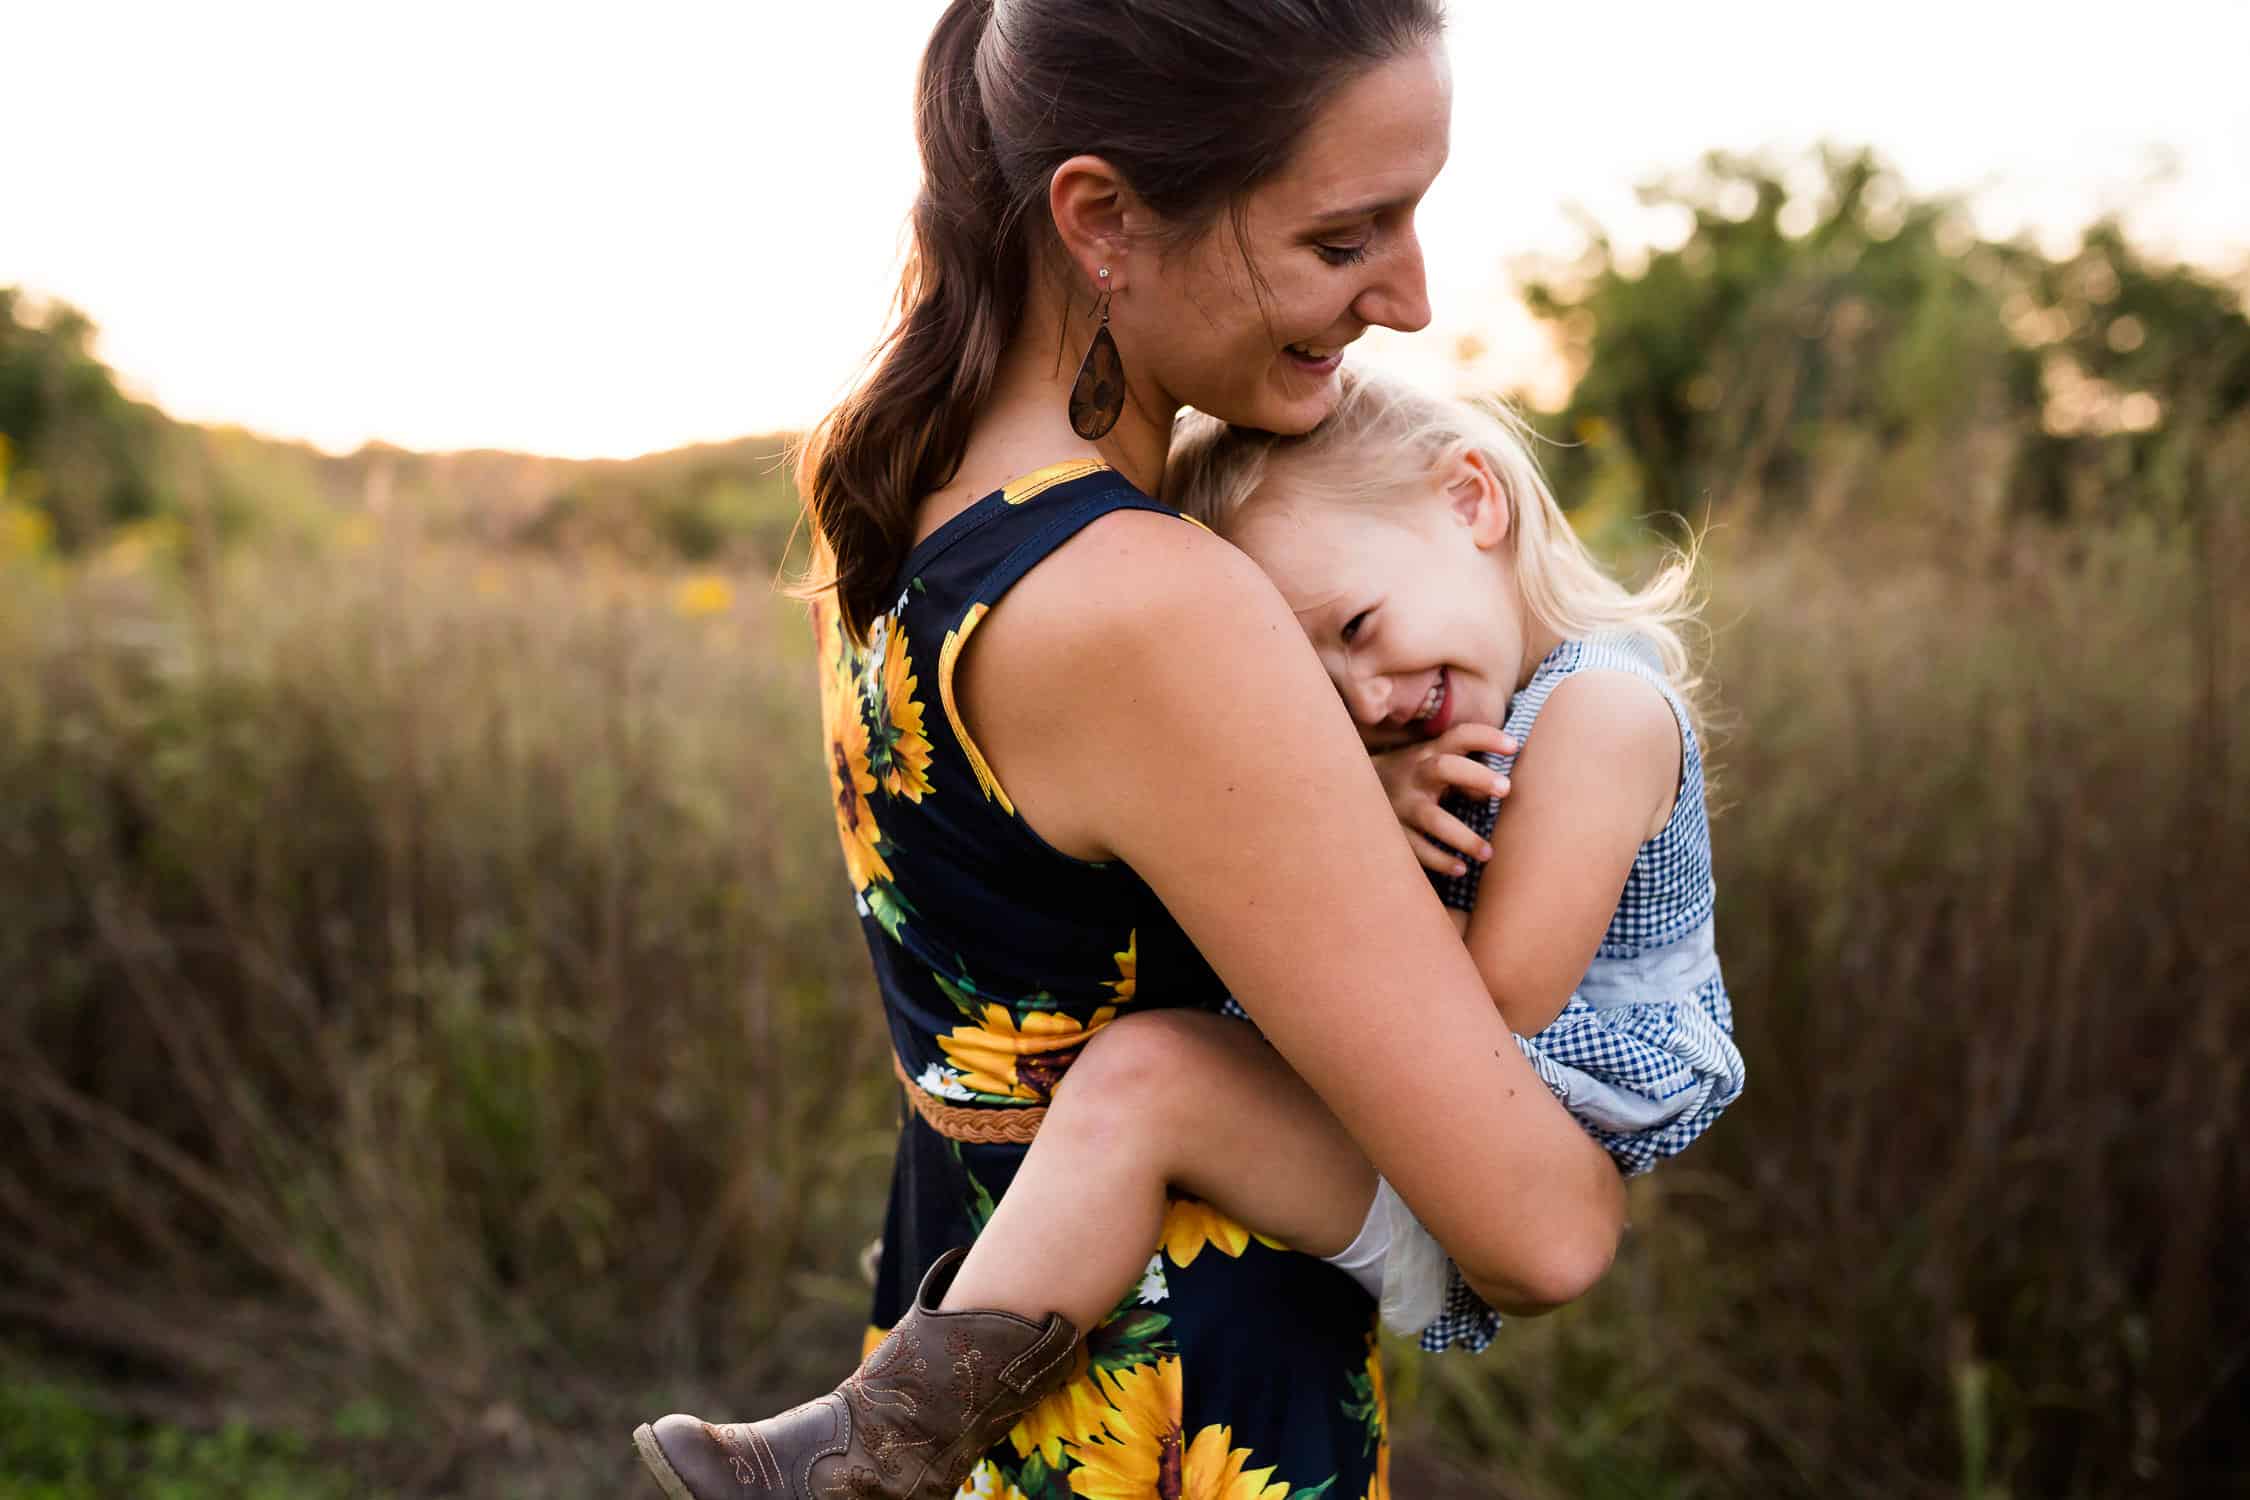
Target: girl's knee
<point>1141,1075</point>
<point>1150,1054</point>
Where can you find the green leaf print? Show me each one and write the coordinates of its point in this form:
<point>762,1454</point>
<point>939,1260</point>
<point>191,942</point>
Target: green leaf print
<point>1127,1340</point>
<point>1364,1407</point>
<point>961,992</point>
<point>970,998</point>
<point>889,909</point>
<point>1037,1481</point>
<point>1317,1491</point>
<point>981,1206</point>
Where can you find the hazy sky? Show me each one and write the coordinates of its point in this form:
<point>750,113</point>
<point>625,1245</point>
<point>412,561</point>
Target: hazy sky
<point>602,229</point>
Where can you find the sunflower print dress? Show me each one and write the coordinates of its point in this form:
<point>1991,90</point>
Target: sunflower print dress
<point>1236,1369</point>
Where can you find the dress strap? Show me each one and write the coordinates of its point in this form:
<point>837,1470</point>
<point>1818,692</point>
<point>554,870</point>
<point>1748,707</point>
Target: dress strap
<point>1059,518</point>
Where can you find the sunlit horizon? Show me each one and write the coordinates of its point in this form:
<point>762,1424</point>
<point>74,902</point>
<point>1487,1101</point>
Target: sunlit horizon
<point>554,232</point>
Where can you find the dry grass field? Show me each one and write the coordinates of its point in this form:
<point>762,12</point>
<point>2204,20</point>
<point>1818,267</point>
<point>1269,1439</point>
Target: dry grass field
<point>434,1027</point>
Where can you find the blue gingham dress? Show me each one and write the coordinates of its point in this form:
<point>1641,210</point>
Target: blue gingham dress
<point>1643,1053</point>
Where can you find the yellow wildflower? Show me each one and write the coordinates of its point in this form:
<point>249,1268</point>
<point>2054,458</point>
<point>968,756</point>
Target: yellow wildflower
<point>702,595</point>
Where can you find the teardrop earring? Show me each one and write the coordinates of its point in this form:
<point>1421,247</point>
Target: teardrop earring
<point>1097,396</point>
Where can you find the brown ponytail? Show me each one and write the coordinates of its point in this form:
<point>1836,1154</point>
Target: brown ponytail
<point>1194,101</point>
<point>901,434</point>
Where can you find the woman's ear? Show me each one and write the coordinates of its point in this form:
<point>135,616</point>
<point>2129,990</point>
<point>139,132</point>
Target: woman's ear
<point>1478,498</point>
<point>1094,213</point>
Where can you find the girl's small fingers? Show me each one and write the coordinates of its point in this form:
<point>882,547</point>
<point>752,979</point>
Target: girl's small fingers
<point>1471,776</point>
<point>1471,739</point>
<point>1443,828</point>
<point>1437,861</point>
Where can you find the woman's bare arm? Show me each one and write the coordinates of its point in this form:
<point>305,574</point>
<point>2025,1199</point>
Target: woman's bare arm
<point>1145,694</point>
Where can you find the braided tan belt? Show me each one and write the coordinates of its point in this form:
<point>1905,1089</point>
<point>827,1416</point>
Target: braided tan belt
<point>978,1127</point>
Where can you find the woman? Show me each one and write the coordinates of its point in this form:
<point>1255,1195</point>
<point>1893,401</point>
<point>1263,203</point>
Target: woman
<point>1129,208</point>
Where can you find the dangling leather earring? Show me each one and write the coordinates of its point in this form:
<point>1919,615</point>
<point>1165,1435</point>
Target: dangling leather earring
<point>1097,396</point>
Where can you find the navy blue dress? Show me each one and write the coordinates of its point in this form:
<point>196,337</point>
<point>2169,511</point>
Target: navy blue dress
<point>1237,1369</point>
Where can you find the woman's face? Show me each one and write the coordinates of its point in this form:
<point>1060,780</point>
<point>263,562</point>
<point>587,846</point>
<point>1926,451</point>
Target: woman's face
<point>1332,238</point>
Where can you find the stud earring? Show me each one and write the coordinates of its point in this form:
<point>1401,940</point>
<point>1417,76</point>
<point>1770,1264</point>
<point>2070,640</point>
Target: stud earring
<point>1097,396</point>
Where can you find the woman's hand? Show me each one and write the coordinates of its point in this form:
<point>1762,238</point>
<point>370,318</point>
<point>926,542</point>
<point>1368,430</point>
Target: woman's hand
<point>1415,778</point>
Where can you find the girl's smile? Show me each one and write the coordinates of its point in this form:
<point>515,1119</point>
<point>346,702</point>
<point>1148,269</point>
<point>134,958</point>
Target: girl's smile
<point>1408,598</point>
<point>1436,715</point>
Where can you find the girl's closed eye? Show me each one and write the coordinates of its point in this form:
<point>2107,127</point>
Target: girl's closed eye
<point>1354,626</point>
<point>1344,255</point>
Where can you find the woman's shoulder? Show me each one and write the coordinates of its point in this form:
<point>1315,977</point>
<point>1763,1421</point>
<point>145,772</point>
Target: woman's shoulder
<point>1136,660</point>
<point>1134,580</point>
<point>1144,620</point>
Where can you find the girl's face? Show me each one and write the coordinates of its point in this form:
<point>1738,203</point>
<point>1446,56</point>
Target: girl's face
<point>1332,237</point>
<point>1410,601</point>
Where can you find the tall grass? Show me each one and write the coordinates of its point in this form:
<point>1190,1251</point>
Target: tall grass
<point>428,979</point>
<point>1975,1228</point>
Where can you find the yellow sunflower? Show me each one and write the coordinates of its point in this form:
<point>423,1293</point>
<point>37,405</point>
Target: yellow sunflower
<point>949,654</point>
<point>1128,968</point>
<point>1072,1413</point>
<point>1025,1061</point>
<point>1144,1451</point>
<point>839,672</point>
<point>1190,1224</point>
<point>828,634</point>
<point>850,782</point>
<point>908,774</point>
<point>1211,1470</point>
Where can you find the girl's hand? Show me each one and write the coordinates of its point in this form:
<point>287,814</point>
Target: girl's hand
<point>1416,776</point>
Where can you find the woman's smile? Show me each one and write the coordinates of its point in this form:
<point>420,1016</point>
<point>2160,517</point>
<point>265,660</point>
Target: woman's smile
<point>1317,360</point>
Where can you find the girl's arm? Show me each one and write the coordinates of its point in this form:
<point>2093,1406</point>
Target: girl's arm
<point>1145,694</point>
<point>1594,784</point>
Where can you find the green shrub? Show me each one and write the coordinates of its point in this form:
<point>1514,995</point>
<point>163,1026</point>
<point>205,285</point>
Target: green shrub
<point>56,1445</point>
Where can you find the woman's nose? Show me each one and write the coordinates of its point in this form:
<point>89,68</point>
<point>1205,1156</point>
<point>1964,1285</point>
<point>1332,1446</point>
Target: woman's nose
<point>1400,297</point>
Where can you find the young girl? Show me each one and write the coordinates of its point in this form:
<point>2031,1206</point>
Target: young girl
<point>1482,651</point>
<point>1445,591</point>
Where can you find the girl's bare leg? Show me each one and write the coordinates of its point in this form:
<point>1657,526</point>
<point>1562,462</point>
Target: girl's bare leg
<point>1162,1100</point>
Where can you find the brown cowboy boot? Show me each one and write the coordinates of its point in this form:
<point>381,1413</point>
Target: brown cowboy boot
<point>909,1423</point>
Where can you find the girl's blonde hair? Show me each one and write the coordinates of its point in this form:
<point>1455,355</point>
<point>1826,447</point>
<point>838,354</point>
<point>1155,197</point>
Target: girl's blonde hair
<point>1384,433</point>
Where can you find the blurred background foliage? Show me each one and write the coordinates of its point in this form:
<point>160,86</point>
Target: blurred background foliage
<point>85,467</point>
<point>1820,342</point>
<point>434,1033</point>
